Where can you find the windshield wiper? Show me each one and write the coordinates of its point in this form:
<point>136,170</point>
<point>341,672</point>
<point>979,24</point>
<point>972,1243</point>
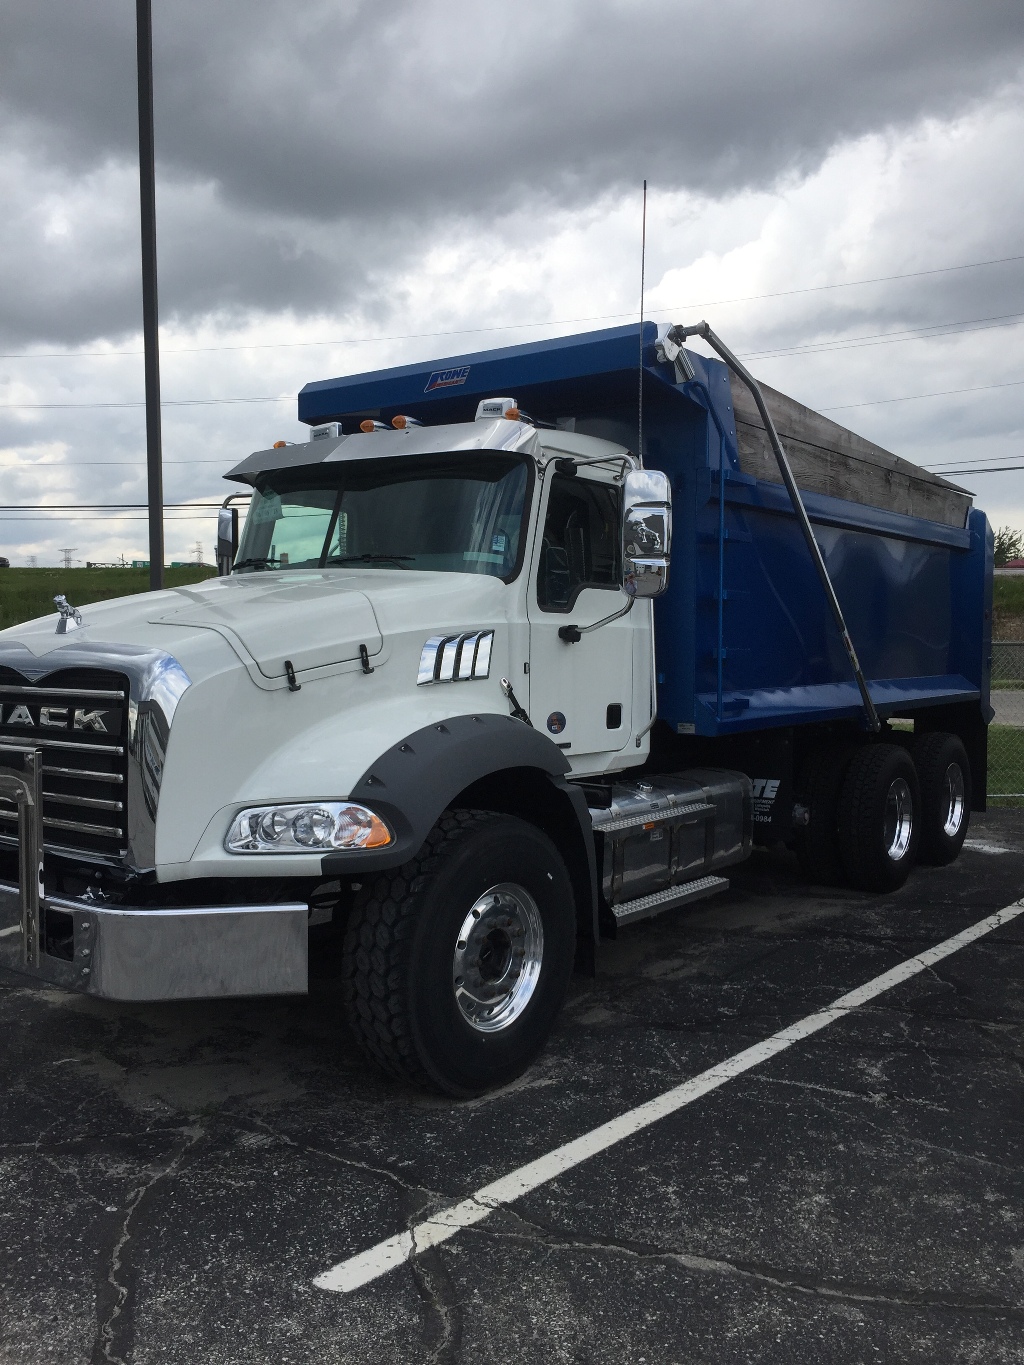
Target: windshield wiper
<point>256,562</point>
<point>368,559</point>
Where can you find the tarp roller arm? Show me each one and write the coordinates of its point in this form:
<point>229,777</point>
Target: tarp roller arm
<point>701,329</point>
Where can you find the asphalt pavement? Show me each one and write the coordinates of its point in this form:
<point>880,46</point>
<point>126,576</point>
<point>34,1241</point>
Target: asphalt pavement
<point>174,1178</point>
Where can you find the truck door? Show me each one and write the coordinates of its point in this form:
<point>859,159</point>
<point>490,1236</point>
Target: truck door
<point>581,694</point>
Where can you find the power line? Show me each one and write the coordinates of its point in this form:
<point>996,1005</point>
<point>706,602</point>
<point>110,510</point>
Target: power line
<point>907,398</point>
<point>140,403</point>
<point>1009,468</point>
<point>118,516</point>
<point>967,460</point>
<point>927,333</point>
<point>934,331</point>
<point>100,506</point>
<point>514,326</point>
<point>96,464</point>
<point>995,469</point>
<point>873,402</point>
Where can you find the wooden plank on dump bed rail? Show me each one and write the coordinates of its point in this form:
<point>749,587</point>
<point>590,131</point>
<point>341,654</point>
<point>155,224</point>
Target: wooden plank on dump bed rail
<point>828,458</point>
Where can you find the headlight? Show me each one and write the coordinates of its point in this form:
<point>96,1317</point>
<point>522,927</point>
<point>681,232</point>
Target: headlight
<point>320,825</point>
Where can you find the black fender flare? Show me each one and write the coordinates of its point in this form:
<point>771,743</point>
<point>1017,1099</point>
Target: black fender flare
<point>411,783</point>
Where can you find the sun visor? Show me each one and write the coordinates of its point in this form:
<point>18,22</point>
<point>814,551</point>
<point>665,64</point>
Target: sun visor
<point>500,435</point>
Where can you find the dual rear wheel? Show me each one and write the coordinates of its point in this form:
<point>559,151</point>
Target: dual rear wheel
<point>874,810</point>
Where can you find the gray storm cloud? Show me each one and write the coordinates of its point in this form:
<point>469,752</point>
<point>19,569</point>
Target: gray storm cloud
<point>303,149</point>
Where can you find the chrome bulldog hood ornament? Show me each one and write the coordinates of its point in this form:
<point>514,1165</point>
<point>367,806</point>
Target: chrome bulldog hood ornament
<point>70,617</point>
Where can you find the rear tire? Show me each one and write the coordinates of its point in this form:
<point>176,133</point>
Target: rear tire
<point>944,773</point>
<point>456,964</point>
<point>817,842</point>
<point>879,818</point>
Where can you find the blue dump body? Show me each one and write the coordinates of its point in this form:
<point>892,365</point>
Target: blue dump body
<point>745,638</point>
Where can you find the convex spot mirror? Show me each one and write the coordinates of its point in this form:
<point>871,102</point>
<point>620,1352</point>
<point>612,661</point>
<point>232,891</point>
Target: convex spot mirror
<point>227,538</point>
<point>646,532</point>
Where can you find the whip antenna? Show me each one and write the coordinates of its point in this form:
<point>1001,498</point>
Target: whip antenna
<point>640,372</point>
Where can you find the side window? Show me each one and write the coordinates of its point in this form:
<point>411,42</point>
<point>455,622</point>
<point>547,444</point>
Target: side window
<point>580,544</point>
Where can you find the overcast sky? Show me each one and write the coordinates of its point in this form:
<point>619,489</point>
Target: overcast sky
<point>448,176</point>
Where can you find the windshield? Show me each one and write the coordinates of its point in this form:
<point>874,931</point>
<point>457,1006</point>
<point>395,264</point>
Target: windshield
<point>449,513</point>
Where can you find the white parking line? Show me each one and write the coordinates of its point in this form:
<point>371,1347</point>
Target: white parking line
<point>395,1251</point>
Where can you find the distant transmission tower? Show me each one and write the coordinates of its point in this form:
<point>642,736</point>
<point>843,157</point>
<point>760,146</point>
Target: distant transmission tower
<point>198,552</point>
<point>33,561</point>
<point>67,551</point>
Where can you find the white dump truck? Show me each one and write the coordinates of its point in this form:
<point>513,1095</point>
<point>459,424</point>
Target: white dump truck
<point>425,703</point>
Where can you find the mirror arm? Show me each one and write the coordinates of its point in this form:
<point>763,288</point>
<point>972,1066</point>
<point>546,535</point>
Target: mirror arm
<point>572,635</point>
<point>569,464</point>
<point>225,559</point>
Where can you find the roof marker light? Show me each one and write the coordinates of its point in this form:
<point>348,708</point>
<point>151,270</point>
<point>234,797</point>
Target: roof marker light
<point>279,445</point>
<point>369,424</point>
<point>403,423</point>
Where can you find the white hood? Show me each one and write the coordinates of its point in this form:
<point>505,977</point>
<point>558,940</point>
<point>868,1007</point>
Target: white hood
<point>314,619</point>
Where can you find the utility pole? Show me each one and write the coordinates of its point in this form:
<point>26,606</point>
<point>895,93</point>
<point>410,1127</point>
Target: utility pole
<point>150,317</point>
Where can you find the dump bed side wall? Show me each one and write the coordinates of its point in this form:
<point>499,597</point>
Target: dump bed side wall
<point>828,458</point>
<point>745,637</point>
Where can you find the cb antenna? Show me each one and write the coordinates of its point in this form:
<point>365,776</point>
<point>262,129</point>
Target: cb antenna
<point>640,370</point>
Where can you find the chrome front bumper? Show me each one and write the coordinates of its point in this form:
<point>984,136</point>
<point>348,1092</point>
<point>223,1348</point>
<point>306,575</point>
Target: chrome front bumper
<point>134,953</point>
<point>124,953</point>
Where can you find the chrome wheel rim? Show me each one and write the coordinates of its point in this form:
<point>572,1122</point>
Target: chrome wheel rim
<point>899,819</point>
<point>498,956</point>
<point>953,800</point>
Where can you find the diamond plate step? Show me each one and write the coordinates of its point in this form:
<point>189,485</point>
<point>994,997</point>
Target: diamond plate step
<point>646,906</point>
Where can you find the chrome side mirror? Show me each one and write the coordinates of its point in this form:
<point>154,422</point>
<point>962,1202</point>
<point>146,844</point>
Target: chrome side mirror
<point>646,532</point>
<point>227,539</point>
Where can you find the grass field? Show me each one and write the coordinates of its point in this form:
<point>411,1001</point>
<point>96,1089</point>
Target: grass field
<point>28,593</point>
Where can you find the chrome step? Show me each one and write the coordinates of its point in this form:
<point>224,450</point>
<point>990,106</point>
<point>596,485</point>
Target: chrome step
<point>646,906</point>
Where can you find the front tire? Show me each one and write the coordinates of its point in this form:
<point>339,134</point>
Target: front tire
<point>880,818</point>
<point>456,964</point>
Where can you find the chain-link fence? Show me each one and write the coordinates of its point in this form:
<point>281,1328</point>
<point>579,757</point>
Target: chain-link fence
<point>1006,733</point>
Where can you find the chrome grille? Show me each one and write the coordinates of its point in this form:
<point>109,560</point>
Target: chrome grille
<point>79,719</point>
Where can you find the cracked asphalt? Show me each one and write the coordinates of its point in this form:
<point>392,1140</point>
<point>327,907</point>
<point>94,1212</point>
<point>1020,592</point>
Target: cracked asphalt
<point>173,1177</point>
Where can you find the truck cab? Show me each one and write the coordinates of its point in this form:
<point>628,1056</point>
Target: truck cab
<point>519,530</point>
